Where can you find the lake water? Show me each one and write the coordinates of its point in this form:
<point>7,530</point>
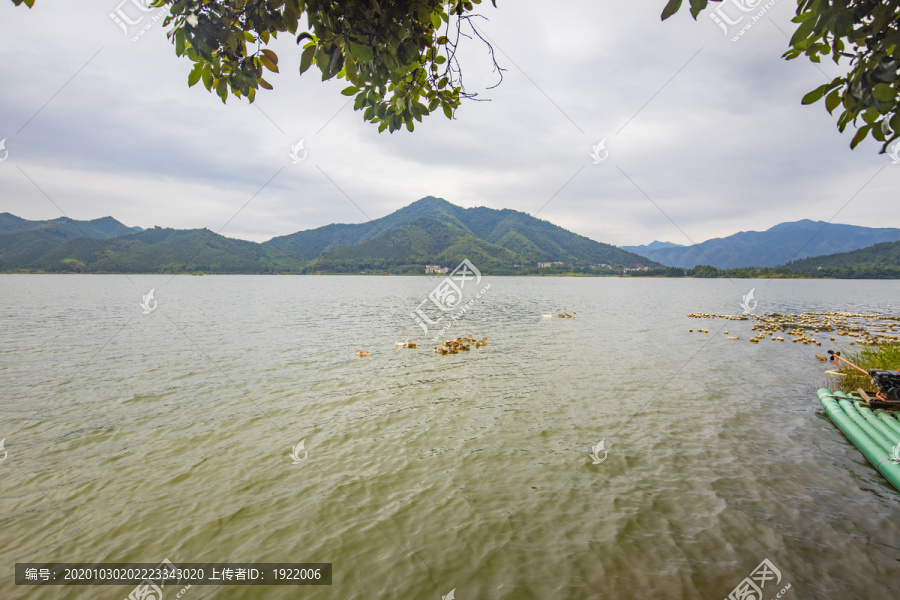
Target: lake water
<point>136,437</point>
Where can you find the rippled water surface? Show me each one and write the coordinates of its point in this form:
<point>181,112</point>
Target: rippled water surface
<point>136,437</point>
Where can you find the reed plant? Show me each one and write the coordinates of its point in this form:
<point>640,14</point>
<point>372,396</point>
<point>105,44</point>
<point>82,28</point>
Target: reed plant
<point>883,356</point>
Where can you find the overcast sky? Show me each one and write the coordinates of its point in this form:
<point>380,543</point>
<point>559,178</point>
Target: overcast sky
<point>706,136</point>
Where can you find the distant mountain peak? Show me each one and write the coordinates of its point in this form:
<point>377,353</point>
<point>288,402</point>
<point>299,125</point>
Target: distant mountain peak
<point>431,200</point>
<point>434,231</point>
<point>430,230</point>
<point>654,245</point>
<point>773,247</point>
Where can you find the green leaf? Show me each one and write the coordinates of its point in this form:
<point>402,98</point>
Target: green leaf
<point>334,64</point>
<point>816,94</point>
<point>670,9</point>
<point>222,90</point>
<point>832,101</point>
<point>803,32</point>
<point>843,23</point>
<point>860,135</point>
<point>883,92</point>
<point>350,90</point>
<point>267,63</point>
<point>194,76</point>
<point>270,55</point>
<point>697,6</point>
<point>306,58</point>
<point>362,52</point>
<point>448,111</point>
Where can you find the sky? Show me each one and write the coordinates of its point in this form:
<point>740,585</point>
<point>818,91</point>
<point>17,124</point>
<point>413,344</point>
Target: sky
<point>705,136</point>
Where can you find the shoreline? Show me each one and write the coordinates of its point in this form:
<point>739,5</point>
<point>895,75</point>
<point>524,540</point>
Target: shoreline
<point>573,275</point>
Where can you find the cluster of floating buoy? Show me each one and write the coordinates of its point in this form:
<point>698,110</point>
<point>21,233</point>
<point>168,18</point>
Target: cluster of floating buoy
<point>448,346</point>
<point>560,315</point>
<point>860,328</point>
<point>459,344</point>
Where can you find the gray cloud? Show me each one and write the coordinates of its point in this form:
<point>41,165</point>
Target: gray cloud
<point>723,146</point>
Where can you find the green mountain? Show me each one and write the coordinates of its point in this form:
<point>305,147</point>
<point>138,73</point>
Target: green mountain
<point>429,231</point>
<point>407,248</point>
<point>22,242</point>
<point>434,231</point>
<point>775,246</point>
<point>10,223</point>
<point>161,250</point>
<point>884,255</point>
<point>655,245</point>
<point>98,228</point>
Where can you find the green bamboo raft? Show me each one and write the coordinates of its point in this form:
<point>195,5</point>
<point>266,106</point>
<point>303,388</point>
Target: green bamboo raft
<point>875,433</point>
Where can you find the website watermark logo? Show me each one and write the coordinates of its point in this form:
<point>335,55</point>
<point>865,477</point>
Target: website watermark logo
<point>2,449</point>
<point>894,457</point>
<point>596,450</point>
<point>296,450</point>
<point>729,18</point>
<point>746,302</point>
<point>4,153</point>
<point>446,300</point>
<point>751,587</point>
<point>893,152</point>
<point>129,14</point>
<point>450,596</point>
<point>152,588</point>
<point>296,151</point>
<point>599,152</point>
<point>149,308</point>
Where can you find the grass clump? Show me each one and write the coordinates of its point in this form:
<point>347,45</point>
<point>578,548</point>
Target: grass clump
<point>884,356</point>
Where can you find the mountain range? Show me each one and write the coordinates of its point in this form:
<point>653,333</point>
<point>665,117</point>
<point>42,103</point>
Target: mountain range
<point>651,246</point>
<point>428,231</point>
<point>22,242</point>
<point>775,246</point>
<point>885,254</point>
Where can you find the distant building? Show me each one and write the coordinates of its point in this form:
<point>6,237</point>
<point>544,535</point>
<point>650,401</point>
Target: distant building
<point>542,265</point>
<point>436,269</point>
